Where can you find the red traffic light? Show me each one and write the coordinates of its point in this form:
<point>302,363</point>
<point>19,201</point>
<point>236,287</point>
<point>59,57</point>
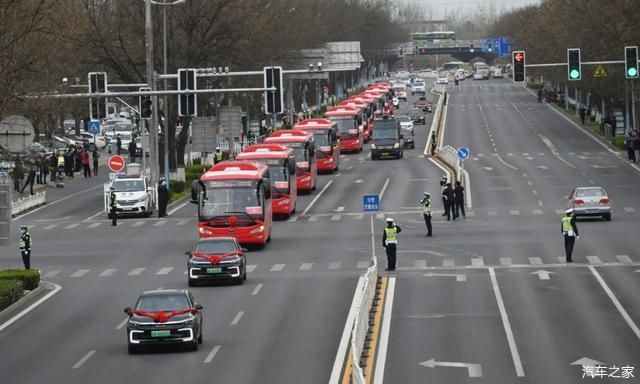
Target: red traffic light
<point>518,56</point>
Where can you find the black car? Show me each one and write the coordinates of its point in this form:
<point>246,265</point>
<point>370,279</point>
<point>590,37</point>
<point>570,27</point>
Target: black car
<point>386,140</point>
<point>217,258</point>
<point>417,117</point>
<point>161,317</point>
<point>407,138</point>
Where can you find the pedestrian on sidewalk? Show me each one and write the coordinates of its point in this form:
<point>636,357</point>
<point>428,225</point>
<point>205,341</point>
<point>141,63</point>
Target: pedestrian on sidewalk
<point>86,163</point>
<point>24,244</point>
<point>569,233</point>
<point>133,148</point>
<point>583,113</point>
<point>53,167</point>
<point>31,178</point>
<point>629,142</point>
<point>118,144</point>
<point>95,156</point>
<point>77,160</point>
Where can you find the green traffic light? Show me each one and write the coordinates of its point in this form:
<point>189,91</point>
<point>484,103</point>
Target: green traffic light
<point>574,74</point>
<point>632,72</point>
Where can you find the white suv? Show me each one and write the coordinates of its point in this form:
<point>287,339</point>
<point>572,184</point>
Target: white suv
<point>134,196</point>
<point>418,88</point>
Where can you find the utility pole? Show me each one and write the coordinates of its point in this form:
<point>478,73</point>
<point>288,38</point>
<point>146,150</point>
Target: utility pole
<point>165,103</point>
<point>153,123</point>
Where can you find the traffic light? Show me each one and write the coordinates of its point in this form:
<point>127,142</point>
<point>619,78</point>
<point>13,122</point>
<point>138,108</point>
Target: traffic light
<point>574,67</point>
<point>518,65</point>
<point>145,104</point>
<point>489,47</point>
<point>187,102</point>
<point>273,99</point>
<point>97,105</point>
<point>471,48</point>
<point>631,62</point>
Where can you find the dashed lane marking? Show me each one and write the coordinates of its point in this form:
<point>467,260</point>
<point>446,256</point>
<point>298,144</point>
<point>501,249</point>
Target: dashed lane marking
<point>138,224</point>
<point>506,261</point>
<point>52,273</point>
<point>629,209</point>
<point>277,267</point>
<point>306,266</point>
<point>256,289</point>
<point>182,222</point>
<point>136,271</point>
<point>477,261</point>
<point>251,267</point>
<point>334,265</point>
<point>336,217</point>
<point>107,272</point>
<point>594,260</point>
<point>50,226</point>
<point>79,273</point>
<point>164,271</point>
<point>535,261</point>
<point>71,226</point>
<point>448,263</point>
<point>160,223</point>
<point>420,264</point>
<point>212,354</point>
<point>624,259</point>
<point>94,225</point>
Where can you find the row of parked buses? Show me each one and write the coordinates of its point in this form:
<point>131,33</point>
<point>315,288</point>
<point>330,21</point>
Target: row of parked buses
<point>239,197</point>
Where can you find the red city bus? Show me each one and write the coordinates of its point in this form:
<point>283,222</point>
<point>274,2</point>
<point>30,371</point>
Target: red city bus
<point>325,136</point>
<point>303,147</point>
<point>234,199</point>
<point>371,103</point>
<point>382,100</point>
<point>364,107</point>
<point>349,120</point>
<point>282,168</point>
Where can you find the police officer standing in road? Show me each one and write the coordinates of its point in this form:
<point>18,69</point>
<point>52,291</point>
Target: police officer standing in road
<point>426,212</point>
<point>570,233</point>
<point>112,206</point>
<point>25,246</point>
<point>218,156</point>
<point>389,242</point>
<point>163,197</point>
<point>443,188</point>
<point>458,201</point>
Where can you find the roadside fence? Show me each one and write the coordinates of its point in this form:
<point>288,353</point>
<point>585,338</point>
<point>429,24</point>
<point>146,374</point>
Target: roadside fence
<point>25,203</point>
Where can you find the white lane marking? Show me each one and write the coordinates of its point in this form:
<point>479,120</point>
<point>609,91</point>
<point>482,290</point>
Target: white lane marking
<point>534,192</point>
<point>122,323</point>
<point>277,267</point>
<point>537,212</point>
<point>314,218</point>
<point>341,354</point>
<point>306,266</point>
<point>171,212</point>
<point>316,198</point>
<point>594,260</point>
<point>629,209</point>
<point>535,261</point>
<point>292,219</point>
<point>340,209</point>
<point>477,261</point>
<point>336,217</point>
<point>160,223</point>
<point>384,187</point>
<point>380,215</point>
<point>507,326</point>
<point>339,173</point>
<point>506,261</point>
<point>251,267</point>
<point>256,289</point>
<point>59,201</point>
<point>107,272</point>
<point>93,225</point>
<point>164,271</point>
<point>335,265</point>
<point>384,332</point>
<point>30,308</point>
<point>236,319</point>
<point>554,150</point>
<point>624,259</point>
<point>420,264</point>
<point>448,263</point>
<point>138,224</point>
<point>504,162</point>
<point>560,211</point>
<point>359,216</point>
<point>363,264</point>
<point>212,354</point>
<point>358,181</point>
<point>51,273</point>
<point>182,222</point>
<point>50,226</point>
<point>84,359</point>
<point>540,203</point>
<point>561,260</point>
<point>617,304</point>
<point>79,273</point>
<point>514,212</point>
<point>93,216</point>
<point>136,271</point>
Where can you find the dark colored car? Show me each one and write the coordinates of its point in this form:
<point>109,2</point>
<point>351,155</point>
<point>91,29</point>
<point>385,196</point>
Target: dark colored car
<point>386,140</point>
<point>407,138</point>
<point>164,317</point>
<point>417,117</point>
<point>216,259</point>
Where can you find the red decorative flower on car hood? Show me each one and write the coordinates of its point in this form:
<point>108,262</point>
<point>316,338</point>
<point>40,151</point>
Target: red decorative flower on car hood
<point>215,259</point>
<point>163,317</point>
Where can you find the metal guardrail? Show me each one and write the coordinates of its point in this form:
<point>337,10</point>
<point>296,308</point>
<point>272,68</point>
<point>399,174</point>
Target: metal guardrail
<point>361,322</point>
<point>26,203</point>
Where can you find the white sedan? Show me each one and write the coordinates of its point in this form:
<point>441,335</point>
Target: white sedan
<point>442,80</point>
<point>100,141</point>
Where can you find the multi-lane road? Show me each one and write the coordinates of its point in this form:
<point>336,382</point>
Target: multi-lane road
<point>468,302</point>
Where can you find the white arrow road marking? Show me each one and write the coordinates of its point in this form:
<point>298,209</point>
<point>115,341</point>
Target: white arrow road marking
<point>459,277</point>
<point>588,362</point>
<point>475,370</point>
<point>542,274</point>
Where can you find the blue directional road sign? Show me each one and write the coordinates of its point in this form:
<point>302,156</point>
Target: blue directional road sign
<point>463,153</point>
<point>93,127</point>
<point>371,203</point>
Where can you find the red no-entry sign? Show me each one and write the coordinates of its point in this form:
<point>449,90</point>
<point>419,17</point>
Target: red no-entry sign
<point>116,163</point>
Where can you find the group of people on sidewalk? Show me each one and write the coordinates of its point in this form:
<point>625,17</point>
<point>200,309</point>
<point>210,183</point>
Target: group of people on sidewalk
<point>632,144</point>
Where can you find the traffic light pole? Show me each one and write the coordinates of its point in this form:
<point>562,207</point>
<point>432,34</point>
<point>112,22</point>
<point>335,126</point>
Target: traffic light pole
<point>153,123</point>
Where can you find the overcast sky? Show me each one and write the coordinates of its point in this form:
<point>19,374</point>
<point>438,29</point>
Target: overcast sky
<point>439,7</point>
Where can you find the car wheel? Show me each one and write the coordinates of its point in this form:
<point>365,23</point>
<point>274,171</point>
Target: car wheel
<point>607,217</point>
<point>194,345</point>
<point>244,273</point>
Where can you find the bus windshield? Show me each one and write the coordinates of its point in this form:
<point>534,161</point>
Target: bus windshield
<point>228,197</point>
<point>299,151</point>
<point>345,124</point>
<point>321,139</point>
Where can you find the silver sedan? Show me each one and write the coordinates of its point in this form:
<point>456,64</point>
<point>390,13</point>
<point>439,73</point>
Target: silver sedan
<point>590,201</point>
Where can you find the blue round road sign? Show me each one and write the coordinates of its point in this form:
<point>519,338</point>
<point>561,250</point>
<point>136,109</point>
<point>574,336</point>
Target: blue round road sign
<point>463,153</point>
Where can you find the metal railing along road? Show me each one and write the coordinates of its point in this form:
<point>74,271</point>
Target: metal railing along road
<point>25,203</point>
<point>361,322</point>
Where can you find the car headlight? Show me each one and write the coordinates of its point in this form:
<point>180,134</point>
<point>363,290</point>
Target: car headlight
<point>258,230</point>
<point>396,145</point>
<point>373,146</point>
<point>231,260</point>
<point>141,199</point>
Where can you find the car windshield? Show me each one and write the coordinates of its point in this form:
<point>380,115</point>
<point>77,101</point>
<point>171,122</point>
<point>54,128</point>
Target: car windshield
<point>128,185</point>
<point>156,303</point>
<point>591,192</point>
<point>210,247</point>
<point>385,133</point>
<point>406,132</point>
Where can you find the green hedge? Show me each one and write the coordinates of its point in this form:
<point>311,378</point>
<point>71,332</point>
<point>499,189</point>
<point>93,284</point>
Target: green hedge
<point>10,292</point>
<point>618,141</point>
<point>30,277</point>
<point>176,186</point>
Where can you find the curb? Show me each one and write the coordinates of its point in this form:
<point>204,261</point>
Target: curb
<point>24,305</point>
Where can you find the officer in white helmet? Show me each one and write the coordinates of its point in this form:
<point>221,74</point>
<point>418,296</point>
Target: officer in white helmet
<point>217,155</point>
<point>390,242</point>
<point>569,233</point>
<point>425,205</point>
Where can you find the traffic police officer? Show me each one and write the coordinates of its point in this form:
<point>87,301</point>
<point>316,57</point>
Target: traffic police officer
<point>25,246</point>
<point>218,156</point>
<point>112,206</point>
<point>163,197</point>
<point>443,186</point>
<point>569,232</point>
<point>426,211</point>
<point>389,242</point>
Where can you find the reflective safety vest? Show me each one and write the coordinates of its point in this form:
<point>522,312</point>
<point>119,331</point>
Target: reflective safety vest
<point>22,244</point>
<point>219,156</point>
<point>426,207</point>
<point>391,234</point>
<point>60,160</point>
<point>566,224</point>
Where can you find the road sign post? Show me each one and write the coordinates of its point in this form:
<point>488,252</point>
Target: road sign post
<point>463,154</point>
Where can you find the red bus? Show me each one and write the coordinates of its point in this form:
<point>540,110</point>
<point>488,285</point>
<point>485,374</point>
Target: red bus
<point>325,136</point>
<point>304,150</point>
<point>372,103</point>
<point>364,107</point>
<point>349,120</point>
<point>234,199</point>
<point>383,99</point>
<point>282,168</point>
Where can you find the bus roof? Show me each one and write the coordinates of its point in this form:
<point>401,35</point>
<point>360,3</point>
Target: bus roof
<point>268,147</point>
<point>317,123</point>
<point>263,153</point>
<point>289,136</point>
<point>353,103</point>
<point>235,170</point>
<point>342,110</point>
